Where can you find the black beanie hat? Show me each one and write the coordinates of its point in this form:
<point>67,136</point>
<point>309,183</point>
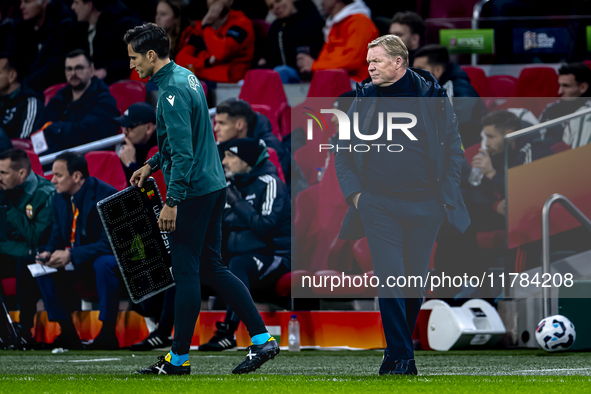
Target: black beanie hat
<point>246,149</point>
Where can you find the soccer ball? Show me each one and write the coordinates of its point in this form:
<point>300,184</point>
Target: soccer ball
<point>555,333</point>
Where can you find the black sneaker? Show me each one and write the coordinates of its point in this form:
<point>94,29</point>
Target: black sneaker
<point>223,339</point>
<point>257,356</point>
<point>66,342</point>
<point>25,340</point>
<point>163,366</point>
<point>397,367</point>
<point>104,341</point>
<point>152,341</point>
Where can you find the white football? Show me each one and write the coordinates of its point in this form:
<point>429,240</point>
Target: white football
<point>555,333</point>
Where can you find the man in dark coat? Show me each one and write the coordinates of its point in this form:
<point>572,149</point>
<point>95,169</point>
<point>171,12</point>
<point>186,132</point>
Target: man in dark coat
<point>82,112</point>
<point>42,38</point>
<point>402,188</point>
<point>103,23</point>
<point>79,249</point>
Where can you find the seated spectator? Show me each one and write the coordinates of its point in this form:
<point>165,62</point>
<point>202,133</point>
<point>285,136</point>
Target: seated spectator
<point>19,105</point>
<point>42,38</point>
<point>574,90</point>
<point>410,27</point>
<point>82,112</point>
<point>491,160</point>
<point>103,23</point>
<point>257,224</point>
<point>170,17</point>
<point>80,250</point>
<point>28,198</point>
<point>220,48</point>
<point>297,29</point>
<point>435,59</point>
<point>347,32</point>
<point>139,127</point>
<point>235,119</point>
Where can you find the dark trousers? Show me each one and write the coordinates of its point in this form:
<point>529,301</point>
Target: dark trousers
<point>196,255</point>
<point>257,272</point>
<point>60,295</point>
<point>400,234</point>
<point>27,290</point>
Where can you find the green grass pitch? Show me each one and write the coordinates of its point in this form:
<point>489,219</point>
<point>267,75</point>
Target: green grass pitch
<point>492,371</point>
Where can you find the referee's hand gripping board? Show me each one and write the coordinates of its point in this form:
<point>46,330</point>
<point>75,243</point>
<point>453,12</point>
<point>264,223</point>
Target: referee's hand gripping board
<point>167,220</point>
<point>131,220</point>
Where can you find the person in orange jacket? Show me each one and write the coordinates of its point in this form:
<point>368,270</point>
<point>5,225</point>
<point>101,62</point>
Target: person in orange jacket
<point>220,48</point>
<point>347,32</point>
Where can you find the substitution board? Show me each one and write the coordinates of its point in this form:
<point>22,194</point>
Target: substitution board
<point>130,218</point>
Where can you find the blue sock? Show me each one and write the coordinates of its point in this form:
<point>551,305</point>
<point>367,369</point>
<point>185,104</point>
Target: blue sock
<point>260,339</point>
<point>178,359</point>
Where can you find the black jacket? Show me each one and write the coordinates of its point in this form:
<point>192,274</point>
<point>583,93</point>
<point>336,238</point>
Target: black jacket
<point>91,238</point>
<point>88,119</point>
<point>42,53</point>
<point>5,143</point>
<point>260,221</point>
<point>302,30</point>
<point>109,49</point>
<point>446,156</point>
<point>468,110</point>
<point>19,111</point>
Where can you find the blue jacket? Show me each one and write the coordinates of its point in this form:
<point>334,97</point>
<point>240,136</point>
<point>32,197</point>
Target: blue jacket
<point>91,238</point>
<point>443,142</point>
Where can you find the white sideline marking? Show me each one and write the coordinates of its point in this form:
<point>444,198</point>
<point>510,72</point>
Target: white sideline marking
<point>553,370</point>
<point>87,361</point>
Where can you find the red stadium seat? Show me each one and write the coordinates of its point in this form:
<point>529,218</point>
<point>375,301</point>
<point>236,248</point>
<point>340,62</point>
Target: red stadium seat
<point>264,87</point>
<point>537,82</point>
<point>274,158</point>
<point>52,90</point>
<point>35,163</point>
<point>329,83</point>
<point>275,122</point>
<point>22,143</point>
<point>158,176</point>
<point>128,92</point>
<point>471,152</point>
<point>560,147</point>
<point>9,286</point>
<point>106,166</point>
<point>451,8</point>
<point>502,85</point>
<point>478,80</point>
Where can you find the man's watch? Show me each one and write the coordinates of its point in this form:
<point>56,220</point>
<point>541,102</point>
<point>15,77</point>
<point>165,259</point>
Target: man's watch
<point>171,202</point>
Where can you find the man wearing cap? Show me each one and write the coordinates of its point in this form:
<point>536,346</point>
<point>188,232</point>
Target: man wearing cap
<point>139,126</point>
<point>256,226</point>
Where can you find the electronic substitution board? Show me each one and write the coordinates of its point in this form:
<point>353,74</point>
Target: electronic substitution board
<point>130,218</point>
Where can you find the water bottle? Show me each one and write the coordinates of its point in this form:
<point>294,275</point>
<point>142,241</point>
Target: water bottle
<point>321,171</point>
<point>294,334</point>
<point>476,175</point>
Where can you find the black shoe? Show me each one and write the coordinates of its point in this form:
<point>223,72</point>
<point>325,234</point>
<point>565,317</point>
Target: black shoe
<point>25,340</point>
<point>104,341</point>
<point>257,356</point>
<point>66,342</point>
<point>223,339</point>
<point>397,367</point>
<point>152,341</point>
<point>163,366</point>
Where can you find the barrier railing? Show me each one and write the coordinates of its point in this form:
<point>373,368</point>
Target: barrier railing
<point>577,214</point>
<point>95,145</point>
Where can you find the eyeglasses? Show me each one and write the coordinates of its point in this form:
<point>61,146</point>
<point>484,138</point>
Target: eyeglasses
<point>75,69</point>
